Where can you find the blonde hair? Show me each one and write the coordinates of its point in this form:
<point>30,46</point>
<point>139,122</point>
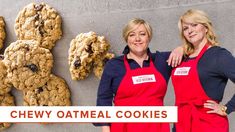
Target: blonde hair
<point>197,16</point>
<point>130,27</point>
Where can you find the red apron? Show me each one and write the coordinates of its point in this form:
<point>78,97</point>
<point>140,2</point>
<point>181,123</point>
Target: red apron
<point>147,93</point>
<point>190,97</point>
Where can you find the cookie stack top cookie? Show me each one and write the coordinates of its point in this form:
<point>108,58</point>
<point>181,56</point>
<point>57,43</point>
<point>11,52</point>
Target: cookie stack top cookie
<point>39,22</point>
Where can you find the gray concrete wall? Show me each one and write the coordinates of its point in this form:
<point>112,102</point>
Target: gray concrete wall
<point>107,17</point>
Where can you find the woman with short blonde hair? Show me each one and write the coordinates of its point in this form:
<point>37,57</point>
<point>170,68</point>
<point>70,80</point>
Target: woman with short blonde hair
<point>120,84</point>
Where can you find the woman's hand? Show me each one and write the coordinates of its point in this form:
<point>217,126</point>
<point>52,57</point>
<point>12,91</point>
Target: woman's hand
<point>105,128</point>
<point>176,56</point>
<point>215,108</point>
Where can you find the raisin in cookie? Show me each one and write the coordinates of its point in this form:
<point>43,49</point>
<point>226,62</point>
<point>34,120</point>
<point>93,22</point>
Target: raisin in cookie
<point>84,49</point>
<point>6,100</point>
<point>54,93</point>
<point>99,63</point>
<point>39,22</point>
<point>28,65</point>
<point>2,31</point>
<point>80,55</point>
<point>5,85</point>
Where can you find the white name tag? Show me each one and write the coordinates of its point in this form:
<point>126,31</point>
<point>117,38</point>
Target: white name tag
<point>143,79</point>
<point>182,71</point>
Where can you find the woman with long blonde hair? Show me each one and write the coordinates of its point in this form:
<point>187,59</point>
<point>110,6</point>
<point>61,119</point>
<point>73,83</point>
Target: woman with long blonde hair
<point>199,81</point>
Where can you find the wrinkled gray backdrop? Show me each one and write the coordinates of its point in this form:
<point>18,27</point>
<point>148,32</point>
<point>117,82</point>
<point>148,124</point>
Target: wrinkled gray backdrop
<point>107,17</point>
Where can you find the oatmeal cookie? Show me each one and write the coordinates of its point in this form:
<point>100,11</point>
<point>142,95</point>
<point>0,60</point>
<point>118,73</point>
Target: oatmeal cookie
<point>5,85</point>
<point>6,100</point>
<point>80,55</point>
<point>54,93</point>
<point>100,47</point>
<point>84,49</point>
<point>99,63</point>
<point>2,31</point>
<point>39,22</point>
<point>28,65</point>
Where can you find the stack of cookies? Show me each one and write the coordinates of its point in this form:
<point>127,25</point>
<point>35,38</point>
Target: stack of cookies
<point>6,99</point>
<point>29,70</point>
<point>29,60</point>
<point>26,64</point>
<point>87,51</point>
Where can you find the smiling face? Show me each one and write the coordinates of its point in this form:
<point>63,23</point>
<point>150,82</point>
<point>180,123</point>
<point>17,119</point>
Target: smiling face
<point>138,40</point>
<point>196,28</point>
<point>194,33</point>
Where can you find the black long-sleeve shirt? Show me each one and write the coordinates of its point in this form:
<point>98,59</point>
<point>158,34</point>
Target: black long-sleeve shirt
<point>216,66</point>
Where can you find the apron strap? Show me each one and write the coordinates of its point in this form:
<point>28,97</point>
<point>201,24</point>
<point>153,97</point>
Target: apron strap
<point>202,51</point>
<point>151,62</point>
